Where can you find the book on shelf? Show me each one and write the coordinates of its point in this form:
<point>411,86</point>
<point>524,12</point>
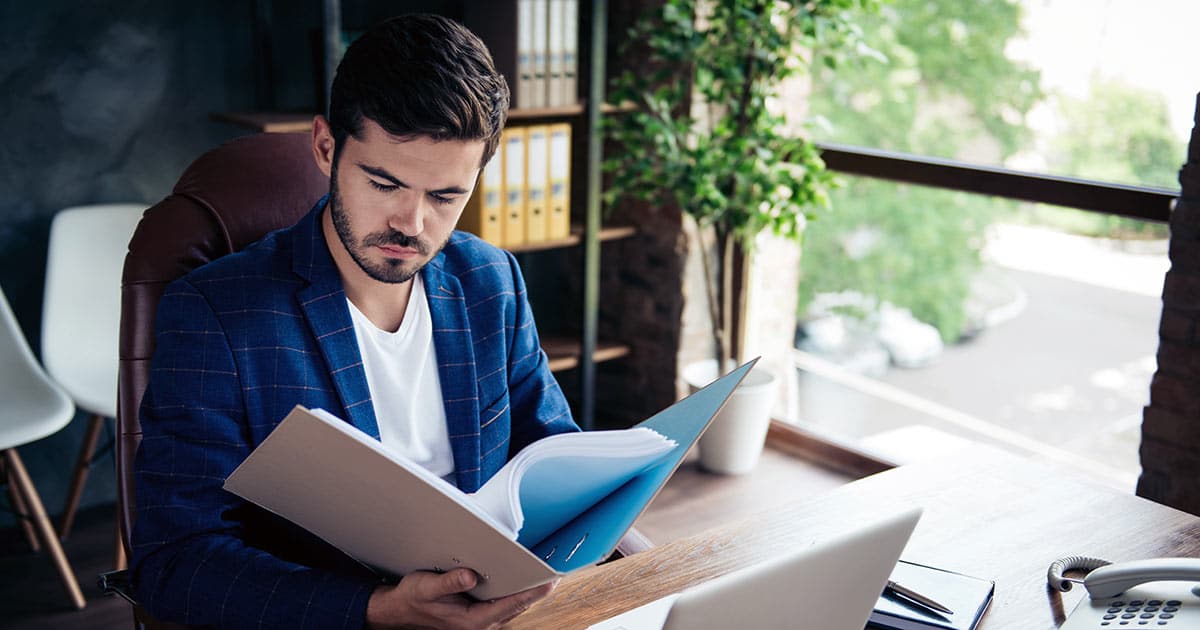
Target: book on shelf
<point>561,504</point>
<point>516,197</point>
<point>482,214</point>
<point>526,88</point>
<point>570,62</point>
<point>541,55</point>
<point>528,200</point>
<point>556,54</point>
<point>537,175</point>
<point>968,597</point>
<point>558,220</point>
<point>534,44</point>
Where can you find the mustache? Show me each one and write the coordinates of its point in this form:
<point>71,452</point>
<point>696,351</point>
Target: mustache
<point>397,239</point>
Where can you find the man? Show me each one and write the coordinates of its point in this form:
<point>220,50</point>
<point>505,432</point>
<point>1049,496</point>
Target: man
<point>371,307</point>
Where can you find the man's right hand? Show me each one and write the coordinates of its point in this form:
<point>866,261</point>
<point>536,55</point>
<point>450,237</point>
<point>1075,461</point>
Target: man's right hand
<point>439,600</point>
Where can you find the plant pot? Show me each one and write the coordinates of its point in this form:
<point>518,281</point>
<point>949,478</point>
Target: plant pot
<point>734,441</point>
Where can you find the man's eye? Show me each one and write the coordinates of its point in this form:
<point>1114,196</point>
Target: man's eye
<point>445,201</point>
<point>382,187</point>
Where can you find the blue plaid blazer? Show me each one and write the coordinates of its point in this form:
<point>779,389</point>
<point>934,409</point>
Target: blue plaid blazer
<point>242,340</point>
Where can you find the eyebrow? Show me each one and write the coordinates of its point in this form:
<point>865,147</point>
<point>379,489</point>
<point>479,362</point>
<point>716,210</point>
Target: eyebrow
<point>383,174</point>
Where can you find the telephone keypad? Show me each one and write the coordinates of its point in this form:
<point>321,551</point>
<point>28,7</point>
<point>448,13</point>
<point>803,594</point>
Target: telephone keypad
<point>1144,611</point>
<point>1166,605</point>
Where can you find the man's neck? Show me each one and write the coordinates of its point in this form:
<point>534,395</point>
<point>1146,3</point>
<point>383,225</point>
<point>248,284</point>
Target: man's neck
<point>382,303</point>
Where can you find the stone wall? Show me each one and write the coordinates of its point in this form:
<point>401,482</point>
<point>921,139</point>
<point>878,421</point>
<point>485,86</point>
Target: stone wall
<point>103,101</point>
<point>1170,450</point>
<point>641,305</point>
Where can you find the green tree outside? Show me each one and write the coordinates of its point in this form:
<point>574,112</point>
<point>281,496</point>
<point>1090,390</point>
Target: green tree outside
<point>945,89</point>
<point>1118,133</point>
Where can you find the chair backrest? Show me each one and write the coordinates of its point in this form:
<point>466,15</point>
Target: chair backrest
<point>31,405</point>
<point>227,199</point>
<point>82,307</point>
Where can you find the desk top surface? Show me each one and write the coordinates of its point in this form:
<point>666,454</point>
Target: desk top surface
<point>987,513</point>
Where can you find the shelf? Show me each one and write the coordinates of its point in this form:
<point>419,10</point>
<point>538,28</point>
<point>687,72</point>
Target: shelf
<point>522,114</point>
<point>576,237</point>
<point>279,122</point>
<point>563,352</point>
<point>624,108</point>
<point>268,122</point>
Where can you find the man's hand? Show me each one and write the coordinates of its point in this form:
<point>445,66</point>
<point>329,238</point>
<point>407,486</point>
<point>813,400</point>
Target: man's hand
<point>438,600</point>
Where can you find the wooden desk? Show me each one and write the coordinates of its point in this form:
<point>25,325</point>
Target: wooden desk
<point>987,513</point>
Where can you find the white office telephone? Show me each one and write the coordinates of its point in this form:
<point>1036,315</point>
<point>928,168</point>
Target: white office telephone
<point>1159,593</point>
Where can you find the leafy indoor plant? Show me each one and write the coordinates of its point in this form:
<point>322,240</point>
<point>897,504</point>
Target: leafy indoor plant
<point>702,128</point>
<point>705,133</point>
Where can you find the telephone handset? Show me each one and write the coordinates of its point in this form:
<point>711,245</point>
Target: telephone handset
<point>1158,593</point>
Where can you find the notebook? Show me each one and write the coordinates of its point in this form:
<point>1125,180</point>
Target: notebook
<point>969,597</point>
<point>832,584</point>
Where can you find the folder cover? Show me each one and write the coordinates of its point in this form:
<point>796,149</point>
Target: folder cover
<point>537,172</point>
<point>513,146</point>
<point>570,51</point>
<point>395,518</point>
<point>555,94</point>
<point>558,213</point>
<point>969,597</point>
<point>526,94</point>
<point>484,210</point>
<point>541,54</point>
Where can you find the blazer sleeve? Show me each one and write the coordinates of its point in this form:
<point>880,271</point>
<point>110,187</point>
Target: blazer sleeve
<point>538,405</point>
<point>190,562</point>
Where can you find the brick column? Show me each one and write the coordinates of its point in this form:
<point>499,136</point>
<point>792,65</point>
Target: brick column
<point>1170,451</point>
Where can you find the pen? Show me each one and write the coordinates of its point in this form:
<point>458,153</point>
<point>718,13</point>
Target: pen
<point>916,597</point>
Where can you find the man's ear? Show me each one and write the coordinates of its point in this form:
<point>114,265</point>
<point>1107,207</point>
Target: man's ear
<point>322,144</point>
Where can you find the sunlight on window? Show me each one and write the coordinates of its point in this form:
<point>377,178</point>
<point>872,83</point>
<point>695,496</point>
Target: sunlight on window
<point>931,317</point>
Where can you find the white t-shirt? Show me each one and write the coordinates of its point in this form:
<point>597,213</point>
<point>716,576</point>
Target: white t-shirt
<point>402,376</point>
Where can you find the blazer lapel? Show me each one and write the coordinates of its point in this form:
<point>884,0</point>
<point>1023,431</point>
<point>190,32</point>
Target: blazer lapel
<point>456,370</point>
<point>324,304</point>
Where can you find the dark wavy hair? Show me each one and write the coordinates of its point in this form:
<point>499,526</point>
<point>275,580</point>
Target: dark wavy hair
<point>419,76</point>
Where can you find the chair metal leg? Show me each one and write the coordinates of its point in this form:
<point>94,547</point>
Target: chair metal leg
<point>83,465</point>
<point>18,507</point>
<point>44,528</point>
<point>119,560</point>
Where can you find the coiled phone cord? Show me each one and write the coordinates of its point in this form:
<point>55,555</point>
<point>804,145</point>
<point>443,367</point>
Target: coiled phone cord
<point>1054,575</point>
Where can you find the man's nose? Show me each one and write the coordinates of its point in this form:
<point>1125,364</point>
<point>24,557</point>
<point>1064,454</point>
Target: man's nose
<point>408,216</point>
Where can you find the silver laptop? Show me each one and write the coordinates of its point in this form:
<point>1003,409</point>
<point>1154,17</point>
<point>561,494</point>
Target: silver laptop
<point>830,585</point>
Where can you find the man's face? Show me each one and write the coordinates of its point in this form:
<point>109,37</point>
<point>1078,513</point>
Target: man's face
<point>395,202</point>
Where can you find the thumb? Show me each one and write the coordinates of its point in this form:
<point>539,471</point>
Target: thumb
<point>456,581</point>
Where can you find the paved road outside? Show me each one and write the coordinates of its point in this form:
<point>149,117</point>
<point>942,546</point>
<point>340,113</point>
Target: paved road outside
<point>1065,376</point>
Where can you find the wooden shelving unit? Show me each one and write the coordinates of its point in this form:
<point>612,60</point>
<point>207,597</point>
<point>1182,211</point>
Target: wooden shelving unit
<point>267,122</point>
<point>292,122</point>
<point>564,352</point>
<point>576,237</point>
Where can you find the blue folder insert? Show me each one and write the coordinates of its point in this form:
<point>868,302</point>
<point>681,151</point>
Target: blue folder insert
<point>591,536</point>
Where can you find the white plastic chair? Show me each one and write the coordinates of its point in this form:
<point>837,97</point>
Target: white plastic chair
<point>31,408</point>
<point>81,318</point>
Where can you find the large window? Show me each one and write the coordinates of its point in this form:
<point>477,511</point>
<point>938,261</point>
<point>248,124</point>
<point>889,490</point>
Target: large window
<point>930,316</point>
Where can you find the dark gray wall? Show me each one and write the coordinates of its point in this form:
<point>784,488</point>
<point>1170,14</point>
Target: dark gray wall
<point>109,101</point>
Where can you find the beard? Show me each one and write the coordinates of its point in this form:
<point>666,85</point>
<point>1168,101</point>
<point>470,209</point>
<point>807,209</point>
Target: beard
<point>389,270</point>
